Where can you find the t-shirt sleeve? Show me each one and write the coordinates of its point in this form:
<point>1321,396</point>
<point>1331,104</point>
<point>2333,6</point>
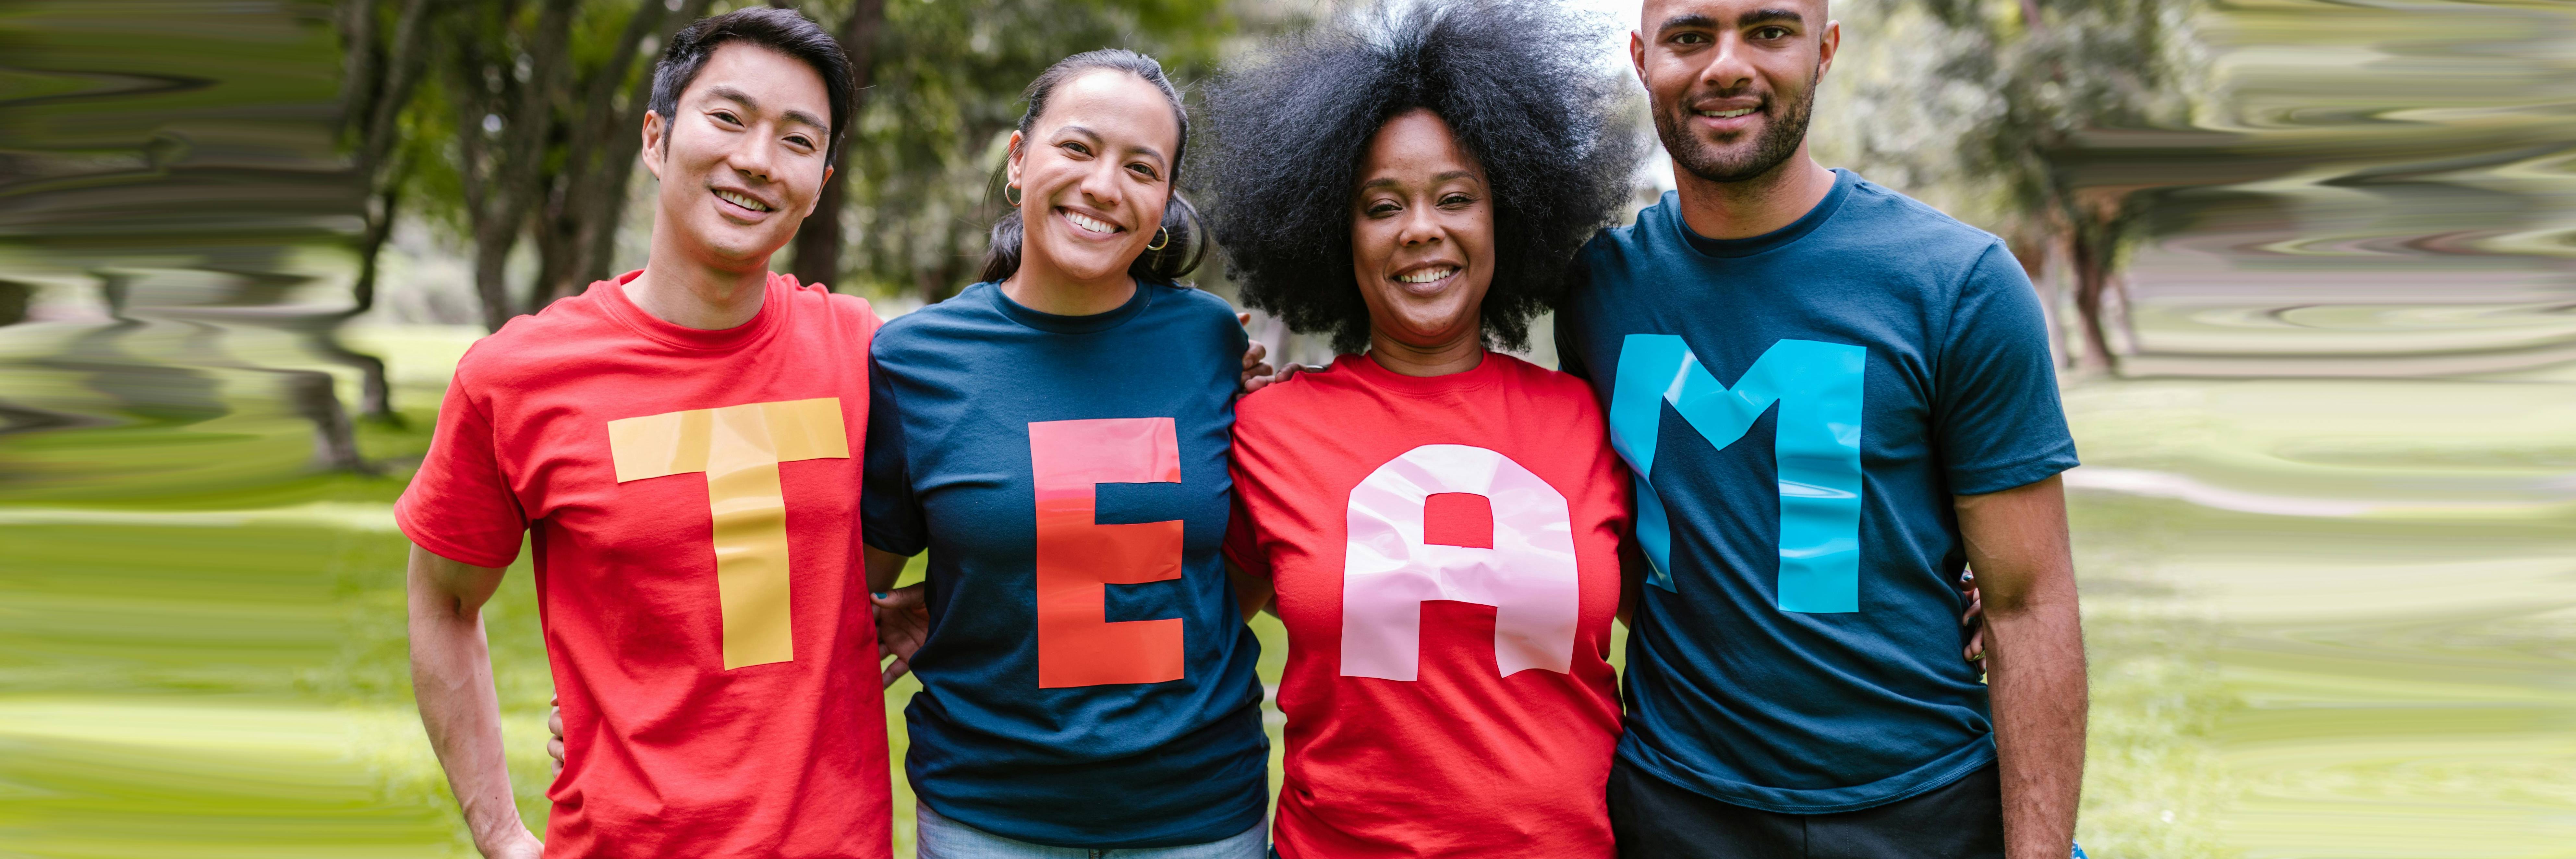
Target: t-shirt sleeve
<point>459,505</point>
<point>2000,421</point>
<point>889,514</point>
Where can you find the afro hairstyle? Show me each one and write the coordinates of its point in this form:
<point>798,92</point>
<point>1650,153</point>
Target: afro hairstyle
<point>1522,85</point>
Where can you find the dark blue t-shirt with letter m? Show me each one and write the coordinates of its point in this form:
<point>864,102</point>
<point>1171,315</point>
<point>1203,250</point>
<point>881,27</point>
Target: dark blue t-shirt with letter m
<point>1798,409</point>
<point>1088,680</point>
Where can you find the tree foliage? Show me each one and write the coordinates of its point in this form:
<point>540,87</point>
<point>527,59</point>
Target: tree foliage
<point>507,121</point>
<point>931,137</point>
<point>1994,109</point>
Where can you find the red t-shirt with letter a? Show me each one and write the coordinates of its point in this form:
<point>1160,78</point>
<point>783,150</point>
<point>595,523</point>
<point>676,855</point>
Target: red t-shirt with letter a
<point>1446,556</point>
<point>692,498</point>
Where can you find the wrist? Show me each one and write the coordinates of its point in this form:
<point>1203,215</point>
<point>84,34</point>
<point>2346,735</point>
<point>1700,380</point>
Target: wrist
<point>504,838</point>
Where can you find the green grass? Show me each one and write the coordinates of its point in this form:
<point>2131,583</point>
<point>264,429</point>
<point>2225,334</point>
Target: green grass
<point>220,670</point>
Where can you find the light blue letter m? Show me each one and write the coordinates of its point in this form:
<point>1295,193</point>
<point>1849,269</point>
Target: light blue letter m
<point>1818,387</point>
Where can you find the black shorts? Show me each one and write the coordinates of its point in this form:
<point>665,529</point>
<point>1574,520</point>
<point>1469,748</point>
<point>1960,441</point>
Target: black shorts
<point>1655,819</point>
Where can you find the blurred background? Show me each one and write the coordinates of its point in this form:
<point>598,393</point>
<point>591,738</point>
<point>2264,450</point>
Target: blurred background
<point>2308,265</point>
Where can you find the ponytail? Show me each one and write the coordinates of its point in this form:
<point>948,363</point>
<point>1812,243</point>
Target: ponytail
<point>1188,243</point>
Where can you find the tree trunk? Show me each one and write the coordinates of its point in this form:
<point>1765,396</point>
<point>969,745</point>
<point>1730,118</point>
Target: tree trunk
<point>588,203</point>
<point>516,173</point>
<point>2090,256</point>
<point>818,242</point>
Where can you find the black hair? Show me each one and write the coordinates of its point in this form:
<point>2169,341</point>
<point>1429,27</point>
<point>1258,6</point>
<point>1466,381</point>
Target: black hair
<point>1522,86</point>
<point>781,30</point>
<point>1187,241</point>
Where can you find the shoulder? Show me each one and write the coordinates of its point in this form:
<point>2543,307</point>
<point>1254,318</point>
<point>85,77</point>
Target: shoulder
<point>1300,395</point>
<point>1613,244</point>
<point>539,345</point>
<point>1909,229</point>
<point>1553,388</point>
<point>844,310</point>
<point>1194,304</point>
<point>934,322</point>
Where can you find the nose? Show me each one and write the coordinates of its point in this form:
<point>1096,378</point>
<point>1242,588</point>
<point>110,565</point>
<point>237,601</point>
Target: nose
<point>1728,68</point>
<point>751,157</point>
<point>1100,185</point>
<point>1419,226</point>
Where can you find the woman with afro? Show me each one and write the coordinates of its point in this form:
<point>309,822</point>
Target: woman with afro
<point>1440,523</point>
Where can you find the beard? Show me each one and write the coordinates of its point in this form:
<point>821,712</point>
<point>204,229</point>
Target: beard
<point>1777,141</point>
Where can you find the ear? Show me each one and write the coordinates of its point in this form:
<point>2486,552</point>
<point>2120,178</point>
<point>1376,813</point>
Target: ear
<point>656,132</point>
<point>811,205</point>
<point>1831,42</point>
<point>1011,166</point>
<point>1637,55</point>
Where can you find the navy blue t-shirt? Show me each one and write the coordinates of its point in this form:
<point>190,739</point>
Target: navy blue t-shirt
<point>1798,409</point>
<point>1088,680</point>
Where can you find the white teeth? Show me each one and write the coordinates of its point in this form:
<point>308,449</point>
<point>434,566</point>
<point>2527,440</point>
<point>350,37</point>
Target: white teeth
<point>1089,224</point>
<point>740,200</point>
<point>1726,114</point>
<point>1428,275</point>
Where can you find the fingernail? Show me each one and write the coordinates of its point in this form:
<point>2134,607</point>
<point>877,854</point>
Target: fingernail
<point>877,594</point>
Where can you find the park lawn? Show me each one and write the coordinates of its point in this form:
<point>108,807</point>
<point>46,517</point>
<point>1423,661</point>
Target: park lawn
<point>214,664</point>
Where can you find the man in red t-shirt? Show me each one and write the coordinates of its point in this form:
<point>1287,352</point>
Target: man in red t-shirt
<point>683,444</point>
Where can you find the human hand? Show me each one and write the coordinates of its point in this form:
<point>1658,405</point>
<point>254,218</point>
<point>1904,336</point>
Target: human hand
<point>903,622</point>
<point>1256,371</point>
<point>1974,620</point>
<point>554,727</point>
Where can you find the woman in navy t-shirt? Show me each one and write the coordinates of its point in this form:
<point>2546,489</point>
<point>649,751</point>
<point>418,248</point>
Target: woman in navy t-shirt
<point>1056,437</point>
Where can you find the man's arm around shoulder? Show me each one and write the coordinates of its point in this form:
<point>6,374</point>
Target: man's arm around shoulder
<point>2017,545</point>
<point>451,677</point>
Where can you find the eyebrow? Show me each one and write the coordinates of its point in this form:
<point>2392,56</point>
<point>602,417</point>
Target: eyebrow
<point>749,103</point>
<point>1444,177</point>
<point>1768,16</point>
<point>1757,16</point>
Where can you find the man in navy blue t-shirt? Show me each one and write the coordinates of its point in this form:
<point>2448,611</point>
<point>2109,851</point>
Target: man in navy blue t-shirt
<point>1834,399</point>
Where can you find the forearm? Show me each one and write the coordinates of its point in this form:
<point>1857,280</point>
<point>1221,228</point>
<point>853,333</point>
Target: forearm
<point>884,569</point>
<point>1252,593</point>
<point>451,672</point>
<point>2017,544</point>
<point>2036,679</point>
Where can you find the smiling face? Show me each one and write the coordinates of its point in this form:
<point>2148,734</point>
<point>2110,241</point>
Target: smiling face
<point>742,159</point>
<point>1094,173</point>
<point>1422,233</point>
<point>1733,81</point>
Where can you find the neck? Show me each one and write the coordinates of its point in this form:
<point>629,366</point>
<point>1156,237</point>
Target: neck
<point>1457,354</point>
<point>1046,290</point>
<point>1742,210</point>
<point>704,297</point>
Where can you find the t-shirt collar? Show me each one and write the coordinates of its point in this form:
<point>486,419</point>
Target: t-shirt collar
<point>1745,247</point>
<point>773,304</point>
<point>1045,321</point>
<point>1370,372</point>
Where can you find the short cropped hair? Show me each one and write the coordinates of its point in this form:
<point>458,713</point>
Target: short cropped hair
<point>1523,86</point>
<point>781,30</point>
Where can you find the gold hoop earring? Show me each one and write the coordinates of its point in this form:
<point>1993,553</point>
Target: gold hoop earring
<point>1162,239</point>
<point>1012,193</point>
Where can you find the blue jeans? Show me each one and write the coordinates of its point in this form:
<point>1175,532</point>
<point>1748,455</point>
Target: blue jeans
<point>942,838</point>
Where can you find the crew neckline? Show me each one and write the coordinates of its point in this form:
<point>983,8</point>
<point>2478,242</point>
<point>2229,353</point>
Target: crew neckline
<point>773,304</point>
<point>1815,217</point>
<point>1060,324</point>
<point>1368,371</point>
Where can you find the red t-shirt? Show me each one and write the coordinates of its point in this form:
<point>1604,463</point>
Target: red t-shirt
<point>694,497</point>
<point>1446,556</point>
